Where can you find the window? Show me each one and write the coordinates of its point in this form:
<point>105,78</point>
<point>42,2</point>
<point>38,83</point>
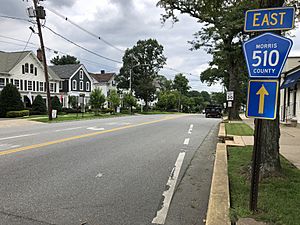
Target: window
<point>29,85</point>
<point>61,83</point>
<point>87,86</point>
<point>81,75</point>
<point>51,87</point>
<point>23,69</point>
<point>21,84</point>
<point>54,87</point>
<point>74,85</point>
<point>41,86</point>
<point>26,68</point>
<point>81,85</point>
<point>35,71</point>
<point>25,85</point>
<point>31,68</point>
<point>17,84</point>
<point>2,82</point>
<point>37,86</point>
<point>33,85</point>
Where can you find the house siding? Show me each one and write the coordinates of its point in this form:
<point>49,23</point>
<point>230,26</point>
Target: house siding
<point>78,80</point>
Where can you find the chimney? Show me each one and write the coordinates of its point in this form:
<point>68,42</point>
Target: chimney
<point>39,54</point>
<point>102,71</point>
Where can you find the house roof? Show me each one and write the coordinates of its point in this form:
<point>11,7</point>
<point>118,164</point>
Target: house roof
<point>102,77</point>
<point>8,60</point>
<point>65,71</point>
<point>291,63</point>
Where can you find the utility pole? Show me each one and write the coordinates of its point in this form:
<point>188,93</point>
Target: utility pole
<point>40,13</point>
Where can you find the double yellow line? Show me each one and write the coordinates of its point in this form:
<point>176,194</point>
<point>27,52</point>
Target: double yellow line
<point>10,151</point>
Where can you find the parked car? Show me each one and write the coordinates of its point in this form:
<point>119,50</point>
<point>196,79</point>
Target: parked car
<point>213,111</point>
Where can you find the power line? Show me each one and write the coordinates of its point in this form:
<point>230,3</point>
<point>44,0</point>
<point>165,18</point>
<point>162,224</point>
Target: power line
<point>85,30</point>
<point>16,18</point>
<point>79,46</point>
<point>53,50</point>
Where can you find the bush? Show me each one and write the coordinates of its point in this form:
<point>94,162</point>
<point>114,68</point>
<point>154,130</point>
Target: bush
<point>56,104</point>
<point>10,100</point>
<point>107,110</point>
<point>32,112</point>
<point>70,110</point>
<point>21,113</point>
<point>38,106</point>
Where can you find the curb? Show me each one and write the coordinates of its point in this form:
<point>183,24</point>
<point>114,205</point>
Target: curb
<point>219,201</point>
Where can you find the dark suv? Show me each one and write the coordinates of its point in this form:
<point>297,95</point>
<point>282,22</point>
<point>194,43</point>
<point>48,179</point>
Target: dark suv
<point>213,111</point>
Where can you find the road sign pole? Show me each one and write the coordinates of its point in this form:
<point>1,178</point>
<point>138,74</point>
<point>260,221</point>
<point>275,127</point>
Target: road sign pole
<point>256,156</point>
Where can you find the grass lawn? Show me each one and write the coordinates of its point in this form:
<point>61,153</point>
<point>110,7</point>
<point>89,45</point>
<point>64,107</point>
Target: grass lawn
<point>73,116</point>
<point>279,197</point>
<point>240,129</point>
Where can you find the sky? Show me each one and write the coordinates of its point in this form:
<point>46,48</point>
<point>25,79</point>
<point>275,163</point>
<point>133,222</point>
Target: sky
<point>121,23</point>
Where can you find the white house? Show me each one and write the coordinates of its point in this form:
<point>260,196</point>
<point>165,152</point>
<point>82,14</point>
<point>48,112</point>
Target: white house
<point>290,91</point>
<point>25,70</point>
<point>104,81</point>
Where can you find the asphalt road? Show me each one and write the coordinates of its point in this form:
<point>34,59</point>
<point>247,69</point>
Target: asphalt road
<point>95,172</point>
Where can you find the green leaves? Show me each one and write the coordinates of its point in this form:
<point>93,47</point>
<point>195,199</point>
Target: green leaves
<point>64,60</point>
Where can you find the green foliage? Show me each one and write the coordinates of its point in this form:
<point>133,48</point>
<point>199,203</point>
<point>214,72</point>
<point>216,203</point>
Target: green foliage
<point>10,100</point>
<point>39,105</point>
<point>97,100</point>
<point>12,114</point>
<point>114,99</point>
<point>73,101</point>
<point>64,60</point>
<point>143,61</point>
<point>168,100</point>
<point>56,104</point>
<point>129,100</point>
<point>180,84</point>
<point>218,98</point>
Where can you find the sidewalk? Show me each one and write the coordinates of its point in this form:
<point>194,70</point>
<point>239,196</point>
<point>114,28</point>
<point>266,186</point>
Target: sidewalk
<point>289,142</point>
<point>6,122</point>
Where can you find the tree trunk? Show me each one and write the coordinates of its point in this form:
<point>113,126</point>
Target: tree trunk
<point>233,112</point>
<point>270,131</point>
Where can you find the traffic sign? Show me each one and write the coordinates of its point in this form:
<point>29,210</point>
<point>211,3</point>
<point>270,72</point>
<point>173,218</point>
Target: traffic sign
<point>230,96</point>
<point>262,99</point>
<point>266,55</point>
<point>270,19</point>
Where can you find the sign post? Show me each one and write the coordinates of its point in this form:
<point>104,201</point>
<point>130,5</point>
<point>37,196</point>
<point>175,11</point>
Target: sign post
<point>265,55</point>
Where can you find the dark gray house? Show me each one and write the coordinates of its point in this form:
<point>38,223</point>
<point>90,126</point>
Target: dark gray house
<point>75,82</point>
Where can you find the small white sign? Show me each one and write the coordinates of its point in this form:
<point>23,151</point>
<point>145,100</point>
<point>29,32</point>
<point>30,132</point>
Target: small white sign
<point>230,96</point>
<point>54,113</point>
<point>229,104</point>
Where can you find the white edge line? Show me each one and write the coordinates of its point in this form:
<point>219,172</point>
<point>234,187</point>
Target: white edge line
<point>186,141</point>
<point>161,215</point>
<point>18,136</point>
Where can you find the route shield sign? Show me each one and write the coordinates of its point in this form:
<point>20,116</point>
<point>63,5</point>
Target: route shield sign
<point>266,55</point>
<point>270,19</point>
<point>262,99</point>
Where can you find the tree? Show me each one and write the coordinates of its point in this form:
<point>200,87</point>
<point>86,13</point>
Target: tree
<point>206,96</point>
<point>56,104</point>
<point>218,98</point>
<point>168,100</point>
<point>180,84</point>
<point>97,100</point>
<point>129,100</point>
<point>114,99</point>
<point>10,100</point>
<point>221,35</point>
<point>65,59</point>
<point>143,61</point>
<point>39,105</point>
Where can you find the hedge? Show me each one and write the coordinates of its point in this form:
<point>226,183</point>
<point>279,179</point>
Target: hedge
<point>21,113</point>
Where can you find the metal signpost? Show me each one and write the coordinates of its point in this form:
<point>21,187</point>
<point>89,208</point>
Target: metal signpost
<point>265,56</point>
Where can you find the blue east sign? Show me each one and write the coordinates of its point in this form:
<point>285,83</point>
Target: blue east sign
<point>266,55</point>
<point>262,99</point>
<point>270,19</point>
